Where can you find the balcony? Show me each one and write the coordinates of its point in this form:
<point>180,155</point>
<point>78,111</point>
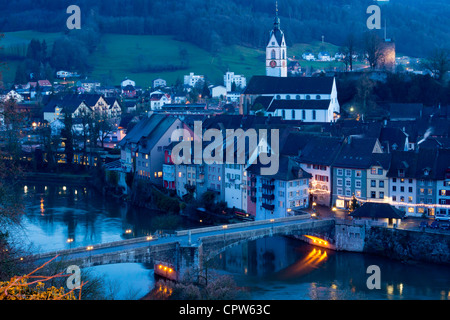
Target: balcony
<point>270,197</point>
<point>270,207</point>
<point>268,186</point>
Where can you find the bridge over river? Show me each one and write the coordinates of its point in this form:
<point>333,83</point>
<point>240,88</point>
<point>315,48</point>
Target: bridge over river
<point>188,248</point>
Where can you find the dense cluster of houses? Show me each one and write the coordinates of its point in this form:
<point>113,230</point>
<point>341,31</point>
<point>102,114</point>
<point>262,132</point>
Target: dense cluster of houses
<point>395,162</point>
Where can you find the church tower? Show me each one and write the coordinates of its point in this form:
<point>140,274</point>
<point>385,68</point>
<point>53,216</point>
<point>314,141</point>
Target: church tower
<point>276,55</point>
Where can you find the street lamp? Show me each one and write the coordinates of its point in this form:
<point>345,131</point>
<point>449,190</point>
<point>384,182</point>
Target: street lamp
<point>69,241</point>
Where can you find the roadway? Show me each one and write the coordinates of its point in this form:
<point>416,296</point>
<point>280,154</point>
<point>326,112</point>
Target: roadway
<point>196,234</point>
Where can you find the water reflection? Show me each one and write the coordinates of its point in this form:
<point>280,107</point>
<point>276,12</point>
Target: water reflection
<point>304,265</point>
<point>288,269</point>
<point>63,216</point>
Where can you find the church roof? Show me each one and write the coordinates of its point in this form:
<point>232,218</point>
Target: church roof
<point>289,85</point>
<point>299,104</point>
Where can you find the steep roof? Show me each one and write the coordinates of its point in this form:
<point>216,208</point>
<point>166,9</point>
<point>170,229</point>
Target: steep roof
<point>320,150</point>
<point>288,170</point>
<point>299,104</point>
<point>151,128</point>
<point>356,153</point>
<point>377,210</point>
<point>289,85</point>
<point>393,138</point>
<point>70,102</point>
<point>405,110</point>
<point>381,159</point>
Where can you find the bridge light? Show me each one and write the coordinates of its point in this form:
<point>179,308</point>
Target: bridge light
<point>89,248</point>
<point>160,266</point>
<point>149,238</point>
<point>224,226</point>
<point>170,270</point>
<point>165,268</point>
<point>334,209</point>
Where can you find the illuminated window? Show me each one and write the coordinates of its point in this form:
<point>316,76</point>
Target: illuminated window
<point>410,209</point>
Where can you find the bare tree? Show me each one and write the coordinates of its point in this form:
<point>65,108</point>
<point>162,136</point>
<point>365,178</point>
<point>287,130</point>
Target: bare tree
<point>349,50</point>
<point>438,63</point>
<point>373,49</point>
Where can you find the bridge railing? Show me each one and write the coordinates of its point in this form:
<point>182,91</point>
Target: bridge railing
<point>93,247</point>
<point>241,225</point>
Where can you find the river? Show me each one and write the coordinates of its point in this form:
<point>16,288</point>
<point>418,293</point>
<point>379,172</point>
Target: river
<point>269,268</point>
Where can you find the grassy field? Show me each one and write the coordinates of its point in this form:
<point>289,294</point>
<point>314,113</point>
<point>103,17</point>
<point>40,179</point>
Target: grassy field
<point>123,55</point>
<point>120,56</point>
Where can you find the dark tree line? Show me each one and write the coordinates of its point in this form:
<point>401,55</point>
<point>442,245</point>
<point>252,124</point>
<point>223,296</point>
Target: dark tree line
<point>213,23</point>
<point>69,52</point>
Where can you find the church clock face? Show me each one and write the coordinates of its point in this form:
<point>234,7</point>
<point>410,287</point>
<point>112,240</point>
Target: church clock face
<point>273,64</point>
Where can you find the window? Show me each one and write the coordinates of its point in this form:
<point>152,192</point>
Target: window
<point>308,97</point>
<point>293,114</point>
<point>410,189</point>
<point>318,97</point>
<point>348,182</point>
<point>288,97</point>
<point>422,190</point>
<point>380,171</point>
<point>283,114</point>
<point>297,97</point>
<point>411,209</point>
<point>430,191</point>
<point>381,195</point>
<point>348,192</point>
<point>340,172</point>
<point>394,198</point>
<point>339,182</point>
<point>358,183</point>
<point>358,193</point>
<point>402,199</point>
<point>381,183</point>
<point>278,97</point>
<point>402,189</point>
<point>273,54</point>
<point>373,183</point>
<point>373,171</point>
<point>394,179</point>
<point>358,173</point>
<point>303,114</point>
<point>339,191</point>
<point>373,194</point>
<point>348,172</point>
<point>410,199</point>
<point>314,115</point>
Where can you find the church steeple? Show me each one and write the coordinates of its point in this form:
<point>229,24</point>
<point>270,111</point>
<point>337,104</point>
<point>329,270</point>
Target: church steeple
<point>276,56</point>
<point>276,24</point>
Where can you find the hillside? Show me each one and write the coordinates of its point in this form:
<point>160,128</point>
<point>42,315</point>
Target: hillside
<point>418,26</point>
<point>143,58</point>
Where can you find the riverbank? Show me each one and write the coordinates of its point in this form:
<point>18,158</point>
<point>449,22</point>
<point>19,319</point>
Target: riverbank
<point>62,178</point>
<point>408,245</point>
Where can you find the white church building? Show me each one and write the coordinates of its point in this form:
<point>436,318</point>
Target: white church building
<point>308,99</point>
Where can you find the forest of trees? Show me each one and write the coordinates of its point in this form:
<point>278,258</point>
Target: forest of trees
<point>417,26</point>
